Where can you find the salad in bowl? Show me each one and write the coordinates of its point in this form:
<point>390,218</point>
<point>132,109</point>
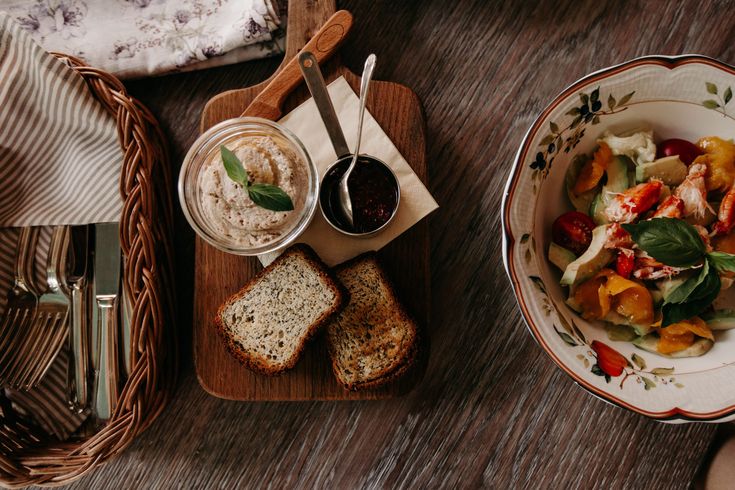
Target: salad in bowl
<point>618,235</point>
<point>650,246</point>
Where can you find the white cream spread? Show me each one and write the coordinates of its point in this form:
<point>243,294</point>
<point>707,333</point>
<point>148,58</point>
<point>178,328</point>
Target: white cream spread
<point>226,204</point>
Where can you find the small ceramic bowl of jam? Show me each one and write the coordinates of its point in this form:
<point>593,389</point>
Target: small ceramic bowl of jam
<point>374,191</point>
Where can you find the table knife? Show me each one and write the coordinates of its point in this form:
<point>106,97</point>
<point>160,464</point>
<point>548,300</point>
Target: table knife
<point>107,289</point>
<point>78,370</point>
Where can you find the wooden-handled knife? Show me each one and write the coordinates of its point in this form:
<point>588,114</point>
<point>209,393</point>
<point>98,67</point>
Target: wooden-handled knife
<point>324,44</point>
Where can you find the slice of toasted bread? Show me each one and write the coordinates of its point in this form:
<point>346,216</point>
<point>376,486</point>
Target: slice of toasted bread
<point>373,340</point>
<point>268,322</point>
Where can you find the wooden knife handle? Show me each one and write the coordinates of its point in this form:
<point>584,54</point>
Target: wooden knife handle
<point>324,44</point>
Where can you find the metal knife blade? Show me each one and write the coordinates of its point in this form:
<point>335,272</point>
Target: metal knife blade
<point>107,289</point>
<point>107,259</point>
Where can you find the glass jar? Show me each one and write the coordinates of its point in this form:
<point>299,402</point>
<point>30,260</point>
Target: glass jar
<point>206,149</point>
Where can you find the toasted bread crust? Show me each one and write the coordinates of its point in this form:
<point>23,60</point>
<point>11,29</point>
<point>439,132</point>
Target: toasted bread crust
<point>410,355</point>
<point>257,363</point>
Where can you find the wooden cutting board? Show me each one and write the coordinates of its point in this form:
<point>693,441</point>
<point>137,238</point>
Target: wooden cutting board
<point>218,275</point>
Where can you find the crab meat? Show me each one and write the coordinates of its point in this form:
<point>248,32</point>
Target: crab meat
<point>726,214</point>
<point>650,269</point>
<point>671,207</point>
<point>626,206</point>
<point>617,237</point>
<point>693,192</point>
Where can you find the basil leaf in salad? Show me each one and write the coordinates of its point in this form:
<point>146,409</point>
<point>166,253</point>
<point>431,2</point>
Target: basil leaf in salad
<point>722,261</point>
<point>680,294</point>
<point>698,300</point>
<point>270,197</point>
<point>669,240</point>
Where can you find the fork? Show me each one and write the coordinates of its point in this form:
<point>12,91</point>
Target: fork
<point>22,303</point>
<point>48,332</point>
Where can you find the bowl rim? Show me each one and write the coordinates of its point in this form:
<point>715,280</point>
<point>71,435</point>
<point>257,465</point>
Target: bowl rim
<point>675,414</point>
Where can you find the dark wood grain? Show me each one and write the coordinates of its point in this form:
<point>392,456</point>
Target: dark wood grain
<point>492,410</point>
<point>218,275</point>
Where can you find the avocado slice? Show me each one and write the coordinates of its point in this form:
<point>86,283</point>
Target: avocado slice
<point>591,261</point>
<point>560,256</point>
<point>617,182</point>
<point>650,342</point>
<point>720,319</point>
<point>580,202</point>
<point>670,170</point>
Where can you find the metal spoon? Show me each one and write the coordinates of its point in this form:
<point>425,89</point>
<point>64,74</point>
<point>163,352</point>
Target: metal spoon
<point>344,191</point>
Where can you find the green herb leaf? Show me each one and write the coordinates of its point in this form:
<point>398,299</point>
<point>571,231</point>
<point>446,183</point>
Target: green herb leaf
<point>722,261</point>
<point>681,293</point>
<point>711,104</point>
<point>711,88</point>
<point>668,240</point>
<point>270,197</point>
<point>698,300</point>
<point>233,166</point>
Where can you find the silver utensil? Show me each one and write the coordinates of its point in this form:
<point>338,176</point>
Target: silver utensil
<point>344,191</point>
<point>107,288</point>
<point>21,306</point>
<point>78,368</point>
<point>48,331</point>
<point>318,89</point>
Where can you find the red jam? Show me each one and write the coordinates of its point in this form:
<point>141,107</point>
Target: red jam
<point>373,190</point>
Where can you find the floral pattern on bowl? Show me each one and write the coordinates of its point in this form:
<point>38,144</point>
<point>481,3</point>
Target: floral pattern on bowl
<point>678,97</point>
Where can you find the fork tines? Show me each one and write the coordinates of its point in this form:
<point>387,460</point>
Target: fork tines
<point>42,332</point>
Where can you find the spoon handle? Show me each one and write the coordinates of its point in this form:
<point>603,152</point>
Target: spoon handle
<point>324,44</point>
<point>318,88</point>
<point>367,75</point>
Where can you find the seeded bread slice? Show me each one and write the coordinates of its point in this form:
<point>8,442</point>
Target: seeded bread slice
<point>267,323</point>
<point>373,340</point>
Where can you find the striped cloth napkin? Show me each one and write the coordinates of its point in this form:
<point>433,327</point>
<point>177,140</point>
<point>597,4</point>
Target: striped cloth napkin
<point>137,38</point>
<point>60,162</point>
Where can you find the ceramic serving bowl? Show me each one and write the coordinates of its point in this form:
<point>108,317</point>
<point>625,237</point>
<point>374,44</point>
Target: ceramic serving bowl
<point>678,97</point>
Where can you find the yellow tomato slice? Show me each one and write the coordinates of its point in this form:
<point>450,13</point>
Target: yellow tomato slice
<point>592,171</point>
<point>678,336</point>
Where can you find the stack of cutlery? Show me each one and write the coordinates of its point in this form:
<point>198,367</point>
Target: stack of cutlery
<point>83,305</point>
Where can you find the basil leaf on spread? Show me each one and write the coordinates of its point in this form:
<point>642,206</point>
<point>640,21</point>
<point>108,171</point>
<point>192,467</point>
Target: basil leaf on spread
<point>266,196</point>
<point>233,166</point>
<point>270,197</point>
<point>670,241</point>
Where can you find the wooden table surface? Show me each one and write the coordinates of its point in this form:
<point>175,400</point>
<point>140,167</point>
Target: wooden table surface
<point>493,409</point>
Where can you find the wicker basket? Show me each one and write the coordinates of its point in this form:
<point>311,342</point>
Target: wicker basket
<point>27,455</point>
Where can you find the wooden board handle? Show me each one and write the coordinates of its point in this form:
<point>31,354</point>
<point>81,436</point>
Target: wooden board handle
<point>324,44</point>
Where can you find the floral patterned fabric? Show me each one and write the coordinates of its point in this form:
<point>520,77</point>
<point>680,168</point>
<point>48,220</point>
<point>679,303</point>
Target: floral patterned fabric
<point>136,38</point>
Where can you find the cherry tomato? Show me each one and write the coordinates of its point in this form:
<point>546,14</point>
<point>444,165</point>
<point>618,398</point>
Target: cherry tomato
<point>573,231</point>
<point>624,264</point>
<point>687,151</point>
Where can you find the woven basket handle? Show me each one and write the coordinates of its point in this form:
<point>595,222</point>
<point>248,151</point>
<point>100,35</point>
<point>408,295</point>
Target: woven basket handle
<point>324,44</point>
